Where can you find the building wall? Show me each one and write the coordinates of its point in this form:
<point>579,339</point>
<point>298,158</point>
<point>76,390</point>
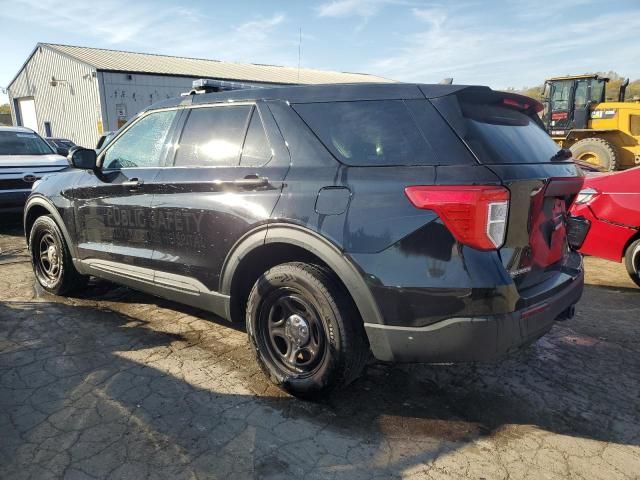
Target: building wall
<point>125,94</point>
<point>72,107</point>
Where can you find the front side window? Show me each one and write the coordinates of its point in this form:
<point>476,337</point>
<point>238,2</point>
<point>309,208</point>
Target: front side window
<point>212,136</point>
<point>23,143</point>
<point>142,145</point>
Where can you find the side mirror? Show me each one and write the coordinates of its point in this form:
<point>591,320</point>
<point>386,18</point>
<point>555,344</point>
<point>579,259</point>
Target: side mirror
<point>62,151</point>
<point>83,158</point>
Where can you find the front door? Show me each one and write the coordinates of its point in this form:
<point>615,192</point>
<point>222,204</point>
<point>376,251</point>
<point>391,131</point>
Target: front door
<point>581,103</point>
<point>225,179</point>
<point>112,205</point>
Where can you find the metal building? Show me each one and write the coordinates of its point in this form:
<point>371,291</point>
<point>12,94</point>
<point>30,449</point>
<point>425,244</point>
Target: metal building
<point>77,92</point>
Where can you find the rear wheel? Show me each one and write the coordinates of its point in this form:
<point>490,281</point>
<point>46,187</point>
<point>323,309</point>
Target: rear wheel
<point>632,261</point>
<point>596,151</point>
<point>307,334</point>
<point>51,259</point>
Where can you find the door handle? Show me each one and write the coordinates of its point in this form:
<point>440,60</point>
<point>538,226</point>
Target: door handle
<point>252,180</point>
<point>133,183</point>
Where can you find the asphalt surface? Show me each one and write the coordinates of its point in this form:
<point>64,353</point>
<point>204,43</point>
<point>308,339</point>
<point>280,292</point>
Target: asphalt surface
<point>117,384</point>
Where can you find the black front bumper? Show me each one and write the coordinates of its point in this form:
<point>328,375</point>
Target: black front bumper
<point>472,339</point>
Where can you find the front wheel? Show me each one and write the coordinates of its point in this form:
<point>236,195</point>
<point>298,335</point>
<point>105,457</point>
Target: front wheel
<point>307,334</point>
<point>632,261</point>
<point>51,259</point>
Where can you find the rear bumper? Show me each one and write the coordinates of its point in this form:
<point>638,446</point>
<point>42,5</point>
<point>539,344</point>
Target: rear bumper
<point>472,339</point>
<point>13,201</point>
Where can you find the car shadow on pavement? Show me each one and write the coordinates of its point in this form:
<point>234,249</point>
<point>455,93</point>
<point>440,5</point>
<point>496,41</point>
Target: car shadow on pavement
<point>89,391</point>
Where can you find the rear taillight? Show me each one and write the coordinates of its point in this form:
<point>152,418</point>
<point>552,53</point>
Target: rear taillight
<point>475,215</point>
<point>586,195</point>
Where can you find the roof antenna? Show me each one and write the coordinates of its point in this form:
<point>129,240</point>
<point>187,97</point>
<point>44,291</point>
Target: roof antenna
<point>299,51</point>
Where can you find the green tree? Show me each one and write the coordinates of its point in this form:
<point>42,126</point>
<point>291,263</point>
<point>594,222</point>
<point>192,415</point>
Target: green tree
<point>5,108</point>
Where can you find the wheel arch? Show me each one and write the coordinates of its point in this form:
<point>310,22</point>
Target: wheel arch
<point>39,206</point>
<point>279,243</point>
<point>632,238</point>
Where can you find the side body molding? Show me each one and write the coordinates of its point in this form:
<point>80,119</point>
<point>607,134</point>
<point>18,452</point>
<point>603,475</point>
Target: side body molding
<point>314,243</point>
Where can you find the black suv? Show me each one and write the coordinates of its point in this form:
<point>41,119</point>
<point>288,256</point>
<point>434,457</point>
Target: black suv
<point>422,223</point>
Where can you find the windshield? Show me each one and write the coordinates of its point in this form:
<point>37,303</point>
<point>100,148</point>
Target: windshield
<point>23,143</point>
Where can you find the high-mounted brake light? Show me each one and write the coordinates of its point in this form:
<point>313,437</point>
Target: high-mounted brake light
<point>476,215</point>
<point>512,103</point>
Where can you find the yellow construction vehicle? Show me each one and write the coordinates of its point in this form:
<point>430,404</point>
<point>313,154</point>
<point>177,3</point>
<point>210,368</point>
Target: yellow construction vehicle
<point>576,115</point>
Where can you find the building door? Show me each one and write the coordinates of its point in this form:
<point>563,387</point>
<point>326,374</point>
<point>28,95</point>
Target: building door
<point>28,118</point>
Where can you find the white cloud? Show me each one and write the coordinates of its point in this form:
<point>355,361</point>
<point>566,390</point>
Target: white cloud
<point>143,26</point>
<point>452,43</point>
<point>354,8</point>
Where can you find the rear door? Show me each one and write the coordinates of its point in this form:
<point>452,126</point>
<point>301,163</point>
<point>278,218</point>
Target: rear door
<point>505,134</point>
<point>224,179</point>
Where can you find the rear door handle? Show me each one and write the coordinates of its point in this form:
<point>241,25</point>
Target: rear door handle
<point>133,183</point>
<point>252,181</point>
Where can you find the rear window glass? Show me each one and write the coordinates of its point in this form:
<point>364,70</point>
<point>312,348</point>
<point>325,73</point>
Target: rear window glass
<point>498,134</point>
<point>23,143</point>
<point>369,133</point>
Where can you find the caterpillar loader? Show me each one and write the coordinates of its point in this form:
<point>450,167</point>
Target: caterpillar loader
<point>576,115</point>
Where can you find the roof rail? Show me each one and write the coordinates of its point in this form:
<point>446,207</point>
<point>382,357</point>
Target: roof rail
<point>205,85</point>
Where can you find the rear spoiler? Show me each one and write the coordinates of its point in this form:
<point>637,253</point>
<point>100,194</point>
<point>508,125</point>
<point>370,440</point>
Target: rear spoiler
<point>474,94</point>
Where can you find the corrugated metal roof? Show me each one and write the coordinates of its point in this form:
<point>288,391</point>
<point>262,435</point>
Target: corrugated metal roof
<point>116,60</point>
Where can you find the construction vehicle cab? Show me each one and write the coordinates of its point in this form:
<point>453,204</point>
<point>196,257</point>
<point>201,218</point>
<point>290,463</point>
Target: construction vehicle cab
<point>577,116</point>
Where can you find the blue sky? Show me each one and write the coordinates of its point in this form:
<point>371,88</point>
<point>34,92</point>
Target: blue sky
<point>497,43</point>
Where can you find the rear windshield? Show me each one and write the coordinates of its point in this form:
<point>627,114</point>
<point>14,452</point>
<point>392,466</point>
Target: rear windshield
<point>23,143</point>
<point>383,132</point>
<point>498,134</point>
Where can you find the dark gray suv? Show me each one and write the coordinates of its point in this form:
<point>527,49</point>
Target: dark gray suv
<point>419,223</point>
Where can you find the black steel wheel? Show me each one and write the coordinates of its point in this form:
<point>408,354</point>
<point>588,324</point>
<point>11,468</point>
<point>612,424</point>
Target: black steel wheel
<point>307,334</point>
<point>294,333</point>
<point>48,259</point>
<point>51,259</point>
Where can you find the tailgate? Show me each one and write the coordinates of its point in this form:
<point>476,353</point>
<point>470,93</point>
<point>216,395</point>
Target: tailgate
<point>505,134</point>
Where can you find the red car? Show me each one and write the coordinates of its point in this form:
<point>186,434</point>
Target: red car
<point>611,203</point>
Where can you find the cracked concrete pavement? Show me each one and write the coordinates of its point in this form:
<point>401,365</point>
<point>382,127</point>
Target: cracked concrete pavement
<point>117,384</point>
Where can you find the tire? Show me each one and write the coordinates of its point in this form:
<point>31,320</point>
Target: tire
<point>51,259</point>
<point>596,151</point>
<point>632,261</point>
<point>331,326</point>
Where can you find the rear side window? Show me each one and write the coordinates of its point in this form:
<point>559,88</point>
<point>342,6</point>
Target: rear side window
<point>256,150</point>
<point>373,133</point>
<point>212,137</point>
<point>497,134</point>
